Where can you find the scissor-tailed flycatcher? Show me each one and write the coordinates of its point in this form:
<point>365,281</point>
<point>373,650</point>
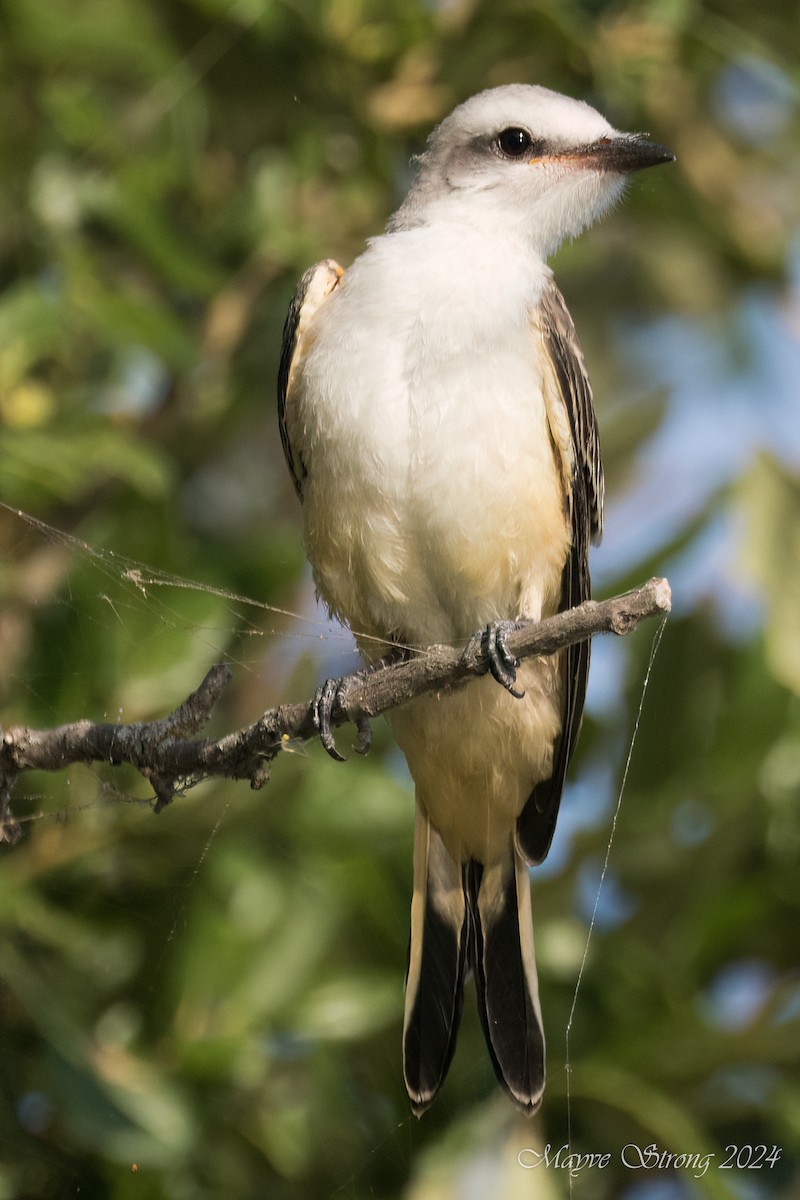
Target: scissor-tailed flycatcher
<point>437,420</point>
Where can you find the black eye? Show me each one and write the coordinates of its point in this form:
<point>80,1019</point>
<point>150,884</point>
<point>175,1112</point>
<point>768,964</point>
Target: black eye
<point>514,142</point>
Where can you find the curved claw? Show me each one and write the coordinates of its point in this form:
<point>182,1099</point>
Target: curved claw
<point>502,664</point>
<point>323,703</point>
<point>364,740</point>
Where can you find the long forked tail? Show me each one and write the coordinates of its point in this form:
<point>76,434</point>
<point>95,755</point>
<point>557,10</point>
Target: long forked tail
<point>479,917</point>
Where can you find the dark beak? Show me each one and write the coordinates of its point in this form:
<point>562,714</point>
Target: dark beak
<point>631,152</point>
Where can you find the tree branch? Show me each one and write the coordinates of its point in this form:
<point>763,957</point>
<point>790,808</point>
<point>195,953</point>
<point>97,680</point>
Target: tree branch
<point>168,755</point>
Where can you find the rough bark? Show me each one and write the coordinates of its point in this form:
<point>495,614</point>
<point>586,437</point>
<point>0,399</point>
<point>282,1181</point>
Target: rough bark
<point>169,754</point>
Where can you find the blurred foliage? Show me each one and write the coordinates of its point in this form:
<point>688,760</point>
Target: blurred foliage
<point>208,1004</point>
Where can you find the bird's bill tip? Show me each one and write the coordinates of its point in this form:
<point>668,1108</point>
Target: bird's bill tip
<point>626,153</point>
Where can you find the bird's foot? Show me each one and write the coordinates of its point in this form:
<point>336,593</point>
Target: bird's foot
<point>325,700</point>
<point>331,693</point>
<point>323,704</point>
<point>499,661</point>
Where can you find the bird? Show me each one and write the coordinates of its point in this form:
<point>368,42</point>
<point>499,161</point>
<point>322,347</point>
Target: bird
<point>437,420</point>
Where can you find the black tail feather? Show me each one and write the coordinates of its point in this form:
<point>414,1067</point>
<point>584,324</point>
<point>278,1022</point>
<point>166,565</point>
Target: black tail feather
<point>480,917</point>
<point>508,1002</point>
<point>435,981</point>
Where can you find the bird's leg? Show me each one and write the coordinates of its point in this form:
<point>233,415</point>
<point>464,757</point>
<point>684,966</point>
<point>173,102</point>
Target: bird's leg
<point>331,692</point>
<point>491,642</point>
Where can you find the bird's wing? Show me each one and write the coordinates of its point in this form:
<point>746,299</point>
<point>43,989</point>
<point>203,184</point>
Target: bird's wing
<point>575,437</point>
<point>318,283</point>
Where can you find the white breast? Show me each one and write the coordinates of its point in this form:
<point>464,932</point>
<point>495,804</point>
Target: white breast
<point>434,502</point>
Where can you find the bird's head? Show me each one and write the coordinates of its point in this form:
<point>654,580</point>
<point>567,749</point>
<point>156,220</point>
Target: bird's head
<point>541,163</point>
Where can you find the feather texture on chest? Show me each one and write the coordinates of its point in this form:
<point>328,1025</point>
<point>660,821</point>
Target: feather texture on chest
<point>434,499</point>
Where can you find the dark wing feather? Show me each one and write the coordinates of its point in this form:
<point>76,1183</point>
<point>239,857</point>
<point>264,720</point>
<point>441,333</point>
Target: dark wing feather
<point>311,292</point>
<point>538,819</point>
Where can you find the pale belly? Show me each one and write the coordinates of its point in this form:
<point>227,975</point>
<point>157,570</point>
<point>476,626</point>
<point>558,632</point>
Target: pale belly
<point>429,550</point>
<point>434,504</point>
<point>476,754</point>
<point>424,524</point>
